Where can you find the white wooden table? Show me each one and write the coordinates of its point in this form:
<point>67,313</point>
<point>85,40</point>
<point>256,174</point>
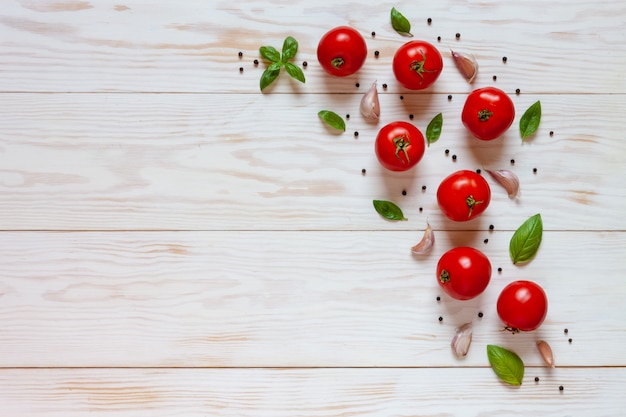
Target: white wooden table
<point>175,243</point>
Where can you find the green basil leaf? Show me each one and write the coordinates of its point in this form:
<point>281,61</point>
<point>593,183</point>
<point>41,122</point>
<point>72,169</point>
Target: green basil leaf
<point>294,71</point>
<point>269,75</point>
<point>400,23</point>
<point>290,48</point>
<point>529,122</point>
<point>388,210</point>
<point>270,53</point>
<point>332,119</point>
<point>526,240</point>
<point>507,365</point>
<point>433,131</point>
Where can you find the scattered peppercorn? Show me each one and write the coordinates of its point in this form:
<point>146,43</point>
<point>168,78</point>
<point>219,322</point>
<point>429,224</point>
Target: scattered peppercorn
<point>403,192</point>
<point>348,116</point>
<point>440,318</point>
<point>491,227</point>
<point>512,161</point>
<point>357,85</point>
<point>449,96</point>
<point>551,133</point>
<point>385,86</point>
<point>499,269</point>
<point>438,38</point>
<point>480,314</point>
<point>240,54</point>
<point>429,20</point>
<point>411,116</point>
<point>535,170</point>
<point>454,157</point>
<point>458,35</point>
<point>486,241</point>
<point>376,53</point>
<point>421,209</point>
<point>517,91</point>
<point>536,379</point>
<point>363,171</point>
<point>240,69</point>
<point>373,34</point>
<point>569,340</point>
<point>504,59</point>
<point>565,331</point>
<point>423,188</point>
<point>438,298</point>
<point>256,62</point>
<point>401,97</point>
<point>356,134</point>
<point>478,171</point>
<point>447,151</point>
<point>304,64</point>
<point>495,78</point>
<point>561,388</point>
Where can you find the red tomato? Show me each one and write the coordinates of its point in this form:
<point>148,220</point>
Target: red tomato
<point>522,305</point>
<point>463,195</point>
<point>417,64</point>
<point>342,51</point>
<point>488,112</point>
<point>399,146</point>
<point>463,272</point>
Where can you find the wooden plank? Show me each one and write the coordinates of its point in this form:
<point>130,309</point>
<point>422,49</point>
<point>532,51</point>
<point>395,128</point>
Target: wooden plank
<point>136,46</point>
<point>217,162</point>
<point>442,392</point>
<point>276,299</point>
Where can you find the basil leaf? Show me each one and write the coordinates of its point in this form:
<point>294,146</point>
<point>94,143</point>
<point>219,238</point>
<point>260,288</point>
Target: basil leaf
<point>529,122</point>
<point>400,23</point>
<point>388,210</point>
<point>270,53</point>
<point>294,71</point>
<point>290,48</point>
<point>507,365</point>
<point>269,75</point>
<point>332,119</point>
<point>526,240</point>
<point>433,131</point>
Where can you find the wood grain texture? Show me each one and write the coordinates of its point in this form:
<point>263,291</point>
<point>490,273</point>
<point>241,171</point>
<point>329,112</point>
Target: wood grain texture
<point>287,299</point>
<point>310,392</point>
<point>160,46</point>
<point>266,162</point>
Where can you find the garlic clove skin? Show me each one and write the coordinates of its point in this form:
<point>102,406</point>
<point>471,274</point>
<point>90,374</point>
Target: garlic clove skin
<point>370,106</point>
<point>507,179</point>
<point>466,64</point>
<point>462,340</point>
<point>425,245</point>
<point>546,353</point>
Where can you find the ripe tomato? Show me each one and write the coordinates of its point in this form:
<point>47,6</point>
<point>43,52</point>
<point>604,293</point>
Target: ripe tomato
<point>463,272</point>
<point>399,146</point>
<point>522,305</point>
<point>417,64</point>
<point>463,195</point>
<point>342,51</point>
<point>488,112</point>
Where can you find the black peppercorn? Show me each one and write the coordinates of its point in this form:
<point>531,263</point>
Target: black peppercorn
<point>449,96</point>
<point>504,59</point>
<point>440,318</point>
<point>569,340</point>
<point>363,171</point>
<point>438,38</point>
<point>551,133</point>
<point>356,134</point>
<point>495,78</point>
<point>376,53</point>
<point>535,170</point>
<point>478,171</point>
<point>438,298</point>
<point>373,34</point>
<point>403,192</point>
<point>491,227</point>
<point>411,116</point>
<point>240,69</point>
<point>454,157</point>
<point>536,379</point>
<point>240,54</point>
<point>304,64</point>
<point>423,188</point>
<point>447,151</point>
<point>421,209</point>
<point>486,241</point>
<point>256,62</point>
<point>347,116</point>
<point>561,388</point>
<point>458,35</point>
<point>517,91</point>
<point>512,161</point>
<point>401,97</point>
<point>565,331</point>
<point>357,85</point>
<point>429,20</point>
<point>385,86</point>
<point>499,269</point>
<point>480,314</point>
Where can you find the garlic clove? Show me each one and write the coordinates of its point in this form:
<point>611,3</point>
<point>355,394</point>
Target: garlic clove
<point>425,245</point>
<point>370,106</point>
<point>467,65</point>
<point>462,340</point>
<point>546,353</point>
<point>507,179</point>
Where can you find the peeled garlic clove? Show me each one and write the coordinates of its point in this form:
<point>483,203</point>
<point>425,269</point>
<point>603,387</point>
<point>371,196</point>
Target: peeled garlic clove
<point>507,179</point>
<point>462,340</point>
<point>370,107</point>
<point>546,353</point>
<point>427,242</point>
<point>467,65</point>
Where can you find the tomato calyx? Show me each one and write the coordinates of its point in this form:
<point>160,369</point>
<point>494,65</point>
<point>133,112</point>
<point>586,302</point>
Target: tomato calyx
<point>511,329</point>
<point>418,66</point>
<point>471,202</point>
<point>337,62</point>
<point>484,115</point>
<point>444,276</point>
<point>402,143</point>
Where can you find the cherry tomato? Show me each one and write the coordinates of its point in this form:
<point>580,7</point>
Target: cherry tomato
<point>399,146</point>
<point>417,64</point>
<point>522,305</point>
<point>488,112</point>
<point>463,195</point>
<point>342,51</point>
<point>463,272</point>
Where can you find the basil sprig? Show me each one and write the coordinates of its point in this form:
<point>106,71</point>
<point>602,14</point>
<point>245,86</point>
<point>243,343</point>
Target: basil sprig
<point>507,365</point>
<point>526,240</point>
<point>400,23</point>
<point>278,61</point>
<point>433,131</point>
<point>388,210</point>
<point>332,119</point>
<point>529,122</point>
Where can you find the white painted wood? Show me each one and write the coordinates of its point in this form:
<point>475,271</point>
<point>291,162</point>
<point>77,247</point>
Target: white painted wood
<point>135,45</point>
<point>288,299</point>
<point>595,392</point>
<point>251,162</point>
